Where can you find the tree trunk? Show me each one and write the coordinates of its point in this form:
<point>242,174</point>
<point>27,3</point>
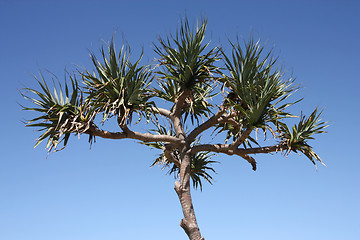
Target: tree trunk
<point>188,223</point>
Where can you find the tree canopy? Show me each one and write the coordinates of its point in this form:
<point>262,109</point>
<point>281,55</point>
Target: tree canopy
<point>189,93</point>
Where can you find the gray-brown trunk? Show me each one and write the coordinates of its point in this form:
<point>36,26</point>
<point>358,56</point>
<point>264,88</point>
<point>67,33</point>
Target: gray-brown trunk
<point>182,188</point>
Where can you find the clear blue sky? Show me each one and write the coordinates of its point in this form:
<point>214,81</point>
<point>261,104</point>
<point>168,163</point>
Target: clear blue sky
<point>110,193</point>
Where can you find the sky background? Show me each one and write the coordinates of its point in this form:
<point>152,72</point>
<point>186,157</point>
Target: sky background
<point>111,193</point>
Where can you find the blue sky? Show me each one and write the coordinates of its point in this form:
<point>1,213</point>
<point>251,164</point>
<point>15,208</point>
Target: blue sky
<point>110,193</point>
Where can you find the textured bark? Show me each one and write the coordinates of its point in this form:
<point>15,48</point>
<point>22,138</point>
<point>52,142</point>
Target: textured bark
<point>226,148</point>
<point>206,125</point>
<point>146,137</point>
<point>182,188</point>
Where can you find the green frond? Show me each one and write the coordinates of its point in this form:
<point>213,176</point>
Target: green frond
<point>201,167</point>
<point>256,86</point>
<point>60,112</point>
<point>118,87</point>
<point>186,64</point>
<point>183,57</point>
<point>296,138</point>
<point>197,105</point>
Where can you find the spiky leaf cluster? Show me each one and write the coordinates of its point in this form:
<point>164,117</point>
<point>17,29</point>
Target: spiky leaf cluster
<point>296,138</point>
<point>256,86</point>
<point>118,87</point>
<point>61,112</point>
<point>186,64</point>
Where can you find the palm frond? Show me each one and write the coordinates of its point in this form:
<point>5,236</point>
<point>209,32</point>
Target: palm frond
<point>186,64</point>
<point>118,87</point>
<point>296,138</point>
<point>201,166</point>
<point>183,57</point>
<point>61,112</point>
<point>256,86</point>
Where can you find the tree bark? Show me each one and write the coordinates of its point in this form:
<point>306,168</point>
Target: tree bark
<point>182,188</point>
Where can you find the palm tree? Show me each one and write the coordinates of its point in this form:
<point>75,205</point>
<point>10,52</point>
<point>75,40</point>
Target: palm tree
<point>191,77</point>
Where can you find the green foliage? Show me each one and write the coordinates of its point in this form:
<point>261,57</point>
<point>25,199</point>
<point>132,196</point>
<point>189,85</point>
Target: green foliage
<point>256,97</point>
<point>60,112</point>
<point>119,88</point>
<point>186,65</point>
<point>256,86</point>
<point>196,106</point>
<point>200,168</point>
<point>186,62</point>
<point>296,138</point>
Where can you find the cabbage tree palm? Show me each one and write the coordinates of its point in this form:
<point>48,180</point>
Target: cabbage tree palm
<point>231,97</point>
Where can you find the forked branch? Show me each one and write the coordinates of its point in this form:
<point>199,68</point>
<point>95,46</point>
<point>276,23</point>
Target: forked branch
<point>206,125</point>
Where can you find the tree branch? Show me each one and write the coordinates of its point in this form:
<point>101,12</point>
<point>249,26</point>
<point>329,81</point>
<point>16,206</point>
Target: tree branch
<point>95,131</point>
<point>218,148</point>
<point>251,160</point>
<point>230,121</point>
<point>145,137</point>
<point>276,148</point>
<point>179,103</point>
<point>206,125</point>
<point>176,115</point>
<point>162,111</point>
<point>226,148</point>
<point>241,138</point>
<point>242,152</point>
